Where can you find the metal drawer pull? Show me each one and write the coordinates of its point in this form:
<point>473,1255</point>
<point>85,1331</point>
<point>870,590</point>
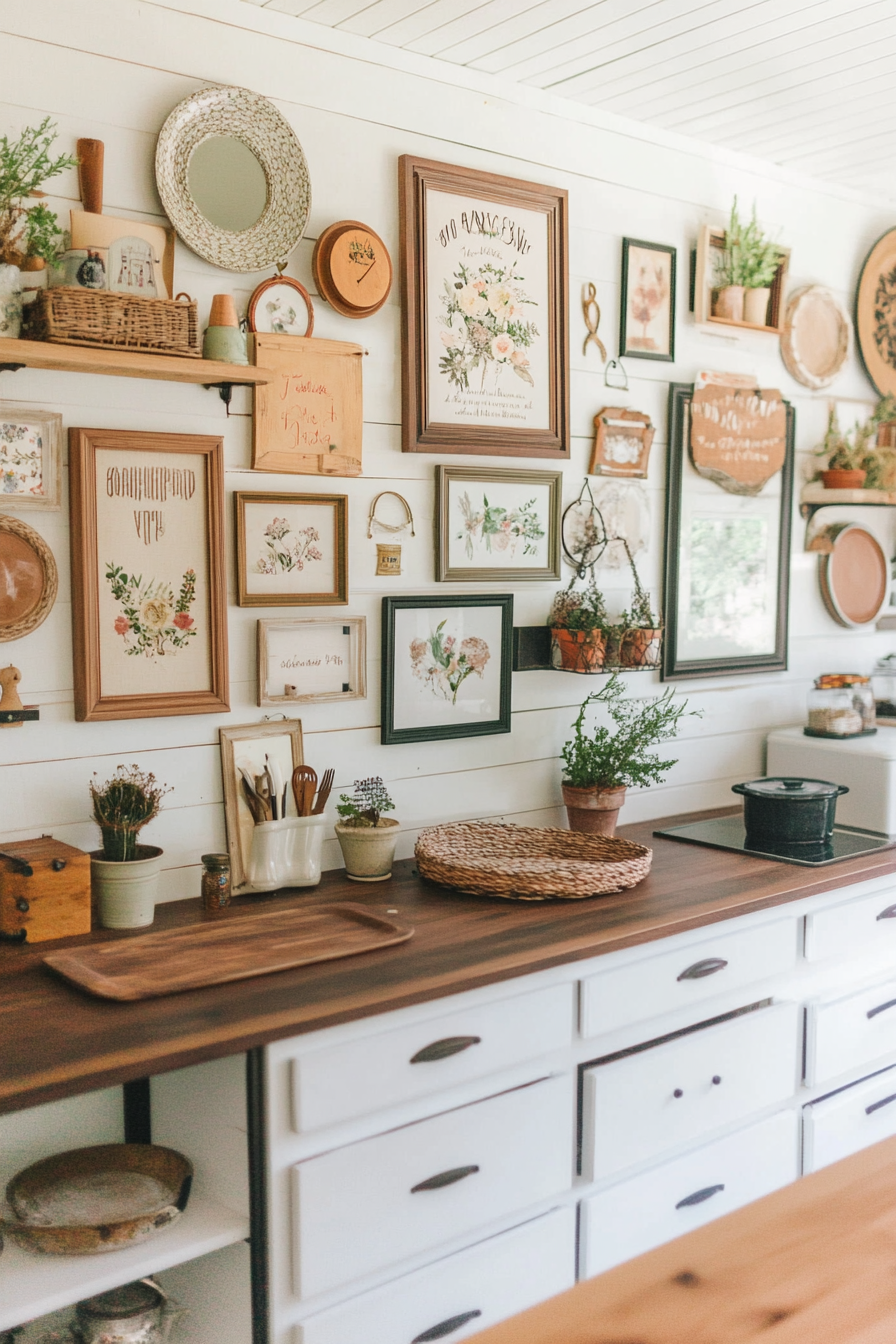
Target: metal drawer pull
<point>889,913</point>
<point>449,1045</point>
<point>708,966</point>
<point>444,1178</point>
<point>446,1327</point>
<point>678,1092</point>
<point>699,1196</point>
<point>716,1078</point>
<point>881,1008</point>
<point>876,1105</point>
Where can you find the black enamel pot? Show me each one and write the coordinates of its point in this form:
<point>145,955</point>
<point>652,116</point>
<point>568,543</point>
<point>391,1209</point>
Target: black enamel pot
<point>789,811</point>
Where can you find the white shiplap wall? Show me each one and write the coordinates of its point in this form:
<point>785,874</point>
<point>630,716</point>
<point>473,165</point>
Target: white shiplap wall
<point>113,69</point>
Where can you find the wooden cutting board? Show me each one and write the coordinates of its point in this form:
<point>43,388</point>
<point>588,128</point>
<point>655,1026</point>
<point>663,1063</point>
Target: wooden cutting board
<point>154,964</point>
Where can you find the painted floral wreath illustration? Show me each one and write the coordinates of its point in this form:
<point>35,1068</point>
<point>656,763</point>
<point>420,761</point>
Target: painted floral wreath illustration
<point>444,667</point>
<point>499,528</point>
<point>20,460</point>
<point>281,555</point>
<point>485,325</point>
<point>153,623</point>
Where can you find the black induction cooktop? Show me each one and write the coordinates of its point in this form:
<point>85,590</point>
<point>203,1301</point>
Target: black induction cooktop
<point>729,833</point>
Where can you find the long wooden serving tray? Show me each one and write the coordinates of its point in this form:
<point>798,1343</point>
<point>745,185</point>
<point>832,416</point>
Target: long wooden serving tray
<point>154,964</point>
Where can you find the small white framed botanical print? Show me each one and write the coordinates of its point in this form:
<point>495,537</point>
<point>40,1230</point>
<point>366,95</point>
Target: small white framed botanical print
<point>311,658</point>
<point>30,443</point>
<point>291,550</point>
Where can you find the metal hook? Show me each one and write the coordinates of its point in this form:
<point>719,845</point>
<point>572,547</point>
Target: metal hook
<point>615,366</point>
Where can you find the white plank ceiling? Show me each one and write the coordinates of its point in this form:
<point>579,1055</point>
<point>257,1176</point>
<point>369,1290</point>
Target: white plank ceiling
<point>806,84</point>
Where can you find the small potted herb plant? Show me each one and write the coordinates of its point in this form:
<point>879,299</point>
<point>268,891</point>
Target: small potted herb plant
<point>367,838</point>
<point>579,630</point>
<point>598,766</point>
<point>749,266</point>
<point>638,634</point>
<point>846,454</point>
<point>125,874</point>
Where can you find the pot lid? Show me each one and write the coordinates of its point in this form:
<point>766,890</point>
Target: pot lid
<point>129,1300</point>
<point>790,787</point>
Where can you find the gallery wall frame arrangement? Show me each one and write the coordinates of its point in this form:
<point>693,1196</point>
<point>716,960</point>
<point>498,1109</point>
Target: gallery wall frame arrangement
<point>30,455</point>
<point>149,600</point>
<point>647,304</point>
<point>29,580</point>
<point>291,550</point>
<point>727,570</point>
<point>244,747</point>
<point>446,667</point>
<point>311,658</point>
<point>485,330</point>
<point>496,526</point>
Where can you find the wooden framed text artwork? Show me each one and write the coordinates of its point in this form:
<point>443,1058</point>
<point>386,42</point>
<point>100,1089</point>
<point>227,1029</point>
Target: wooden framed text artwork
<point>311,658</point>
<point>148,574</point>
<point>485,340</point>
<point>308,419</point>
<point>291,550</point>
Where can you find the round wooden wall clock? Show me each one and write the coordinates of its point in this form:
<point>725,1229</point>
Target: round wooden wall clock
<point>352,268</point>
<point>876,314</point>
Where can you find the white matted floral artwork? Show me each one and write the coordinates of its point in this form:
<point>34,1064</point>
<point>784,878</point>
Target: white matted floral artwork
<point>446,667</point>
<point>29,457</point>
<point>495,524</point>
<point>291,549</point>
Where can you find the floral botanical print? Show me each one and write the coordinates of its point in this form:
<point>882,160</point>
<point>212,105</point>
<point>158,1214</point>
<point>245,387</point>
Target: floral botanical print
<point>486,325</point>
<point>499,528</point>
<point>153,622</point>
<point>21,460</point>
<point>443,666</point>
<point>283,556</point>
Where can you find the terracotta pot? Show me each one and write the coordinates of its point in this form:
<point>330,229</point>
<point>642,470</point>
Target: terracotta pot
<point>756,306</point>
<point>593,810</point>
<point>368,851</point>
<point>223,312</point>
<point>578,650</point>
<point>729,303</point>
<point>840,479</point>
<point>640,647</point>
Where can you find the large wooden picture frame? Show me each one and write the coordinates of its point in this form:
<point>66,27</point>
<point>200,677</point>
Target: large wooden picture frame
<point>485,329</point>
<point>149,600</point>
<point>291,550</point>
<point>246,745</point>
<point>727,570</point>
<point>495,526</point>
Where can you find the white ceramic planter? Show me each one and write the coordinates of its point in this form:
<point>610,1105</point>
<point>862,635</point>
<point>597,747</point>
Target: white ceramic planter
<point>368,851</point>
<point>756,306</point>
<point>126,892</point>
<point>286,853</point>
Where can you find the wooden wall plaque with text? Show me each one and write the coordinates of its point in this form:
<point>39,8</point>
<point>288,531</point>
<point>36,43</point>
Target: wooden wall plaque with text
<point>738,436</point>
<point>309,418</point>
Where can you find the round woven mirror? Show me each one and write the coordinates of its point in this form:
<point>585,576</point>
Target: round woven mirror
<point>233,179</point>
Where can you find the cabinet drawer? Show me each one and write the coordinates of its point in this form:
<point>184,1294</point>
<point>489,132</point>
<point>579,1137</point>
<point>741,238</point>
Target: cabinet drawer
<point>368,1074</point>
<point>651,1100</point>
<point>849,1120</point>
<point>689,975</point>
<point>460,1295</point>
<point>854,926</point>
<point>845,1032</point>
<point>372,1204</point>
<point>667,1201</point>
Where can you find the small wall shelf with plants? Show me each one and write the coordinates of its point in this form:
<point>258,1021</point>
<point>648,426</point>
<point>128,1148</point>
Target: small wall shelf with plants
<point>859,463</point>
<point>585,640</point>
<point>738,276</point>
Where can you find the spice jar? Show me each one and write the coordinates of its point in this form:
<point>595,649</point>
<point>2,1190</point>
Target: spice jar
<point>215,882</point>
<point>841,705</point>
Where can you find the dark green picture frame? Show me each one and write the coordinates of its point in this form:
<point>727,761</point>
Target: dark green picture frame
<point>626,349</point>
<point>438,732</point>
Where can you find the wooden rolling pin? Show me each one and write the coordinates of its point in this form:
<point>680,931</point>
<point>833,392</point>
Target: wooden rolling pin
<point>91,154</point>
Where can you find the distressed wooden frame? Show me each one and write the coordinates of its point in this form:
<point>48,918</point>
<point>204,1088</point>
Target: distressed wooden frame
<point>483,574</point>
<point>356,629</point>
<point>334,597</point>
<point>237,817</point>
<point>12,413</point>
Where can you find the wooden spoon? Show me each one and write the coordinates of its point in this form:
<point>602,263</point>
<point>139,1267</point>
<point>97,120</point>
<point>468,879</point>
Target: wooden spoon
<point>304,782</point>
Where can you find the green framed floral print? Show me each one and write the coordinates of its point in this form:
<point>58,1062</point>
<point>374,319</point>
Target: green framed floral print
<point>497,525</point>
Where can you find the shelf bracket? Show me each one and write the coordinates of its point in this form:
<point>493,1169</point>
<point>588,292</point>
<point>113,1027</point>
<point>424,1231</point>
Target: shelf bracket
<point>11,368</point>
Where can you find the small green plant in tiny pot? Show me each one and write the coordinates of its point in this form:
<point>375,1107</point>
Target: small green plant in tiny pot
<point>750,263</point>
<point>367,838</point>
<point>846,454</point>
<point>637,637</point>
<point>125,874</point>
<point>601,763</point>
<point>579,628</point>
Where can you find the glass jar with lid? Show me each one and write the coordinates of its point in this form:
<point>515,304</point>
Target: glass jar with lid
<point>841,704</point>
<point>883,683</point>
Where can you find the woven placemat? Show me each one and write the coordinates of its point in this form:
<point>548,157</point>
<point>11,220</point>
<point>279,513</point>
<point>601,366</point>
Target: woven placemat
<point>529,863</point>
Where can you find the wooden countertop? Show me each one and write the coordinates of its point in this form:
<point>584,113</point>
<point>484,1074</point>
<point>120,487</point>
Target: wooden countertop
<point>56,1040</point>
<point>810,1264</point>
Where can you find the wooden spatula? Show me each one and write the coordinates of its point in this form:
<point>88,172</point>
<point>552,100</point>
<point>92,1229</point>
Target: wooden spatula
<point>304,783</point>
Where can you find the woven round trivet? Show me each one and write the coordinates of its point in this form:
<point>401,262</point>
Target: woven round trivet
<point>528,863</point>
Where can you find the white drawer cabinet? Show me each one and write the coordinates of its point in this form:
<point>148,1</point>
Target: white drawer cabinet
<point>849,1120</point>
<point>853,926</point>
<point>369,1205</point>
<point>667,1201</point>
<point>359,1077</point>
<point>460,1295</point>
<point>852,1029</point>
<point>654,1099</point>
<point>688,976</point>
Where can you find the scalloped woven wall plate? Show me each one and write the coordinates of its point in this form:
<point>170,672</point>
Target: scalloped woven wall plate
<point>816,337</point>
<point>28,579</point>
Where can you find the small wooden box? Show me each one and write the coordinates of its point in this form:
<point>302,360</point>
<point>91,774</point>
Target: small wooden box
<point>44,890</point>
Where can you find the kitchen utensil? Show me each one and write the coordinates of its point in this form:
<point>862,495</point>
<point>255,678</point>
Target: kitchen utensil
<point>278,788</point>
<point>218,952</point>
<point>136,1313</point>
<point>104,1198</point>
<point>304,782</point>
<point>789,810</point>
<point>91,154</point>
<point>323,792</point>
<point>263,791</point>
<point>253,802</point>
<point>866,765</point>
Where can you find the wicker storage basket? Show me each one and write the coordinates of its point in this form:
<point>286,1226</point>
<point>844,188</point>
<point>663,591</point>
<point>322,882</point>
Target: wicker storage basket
<point>71,316</point>
<point>528,863</point>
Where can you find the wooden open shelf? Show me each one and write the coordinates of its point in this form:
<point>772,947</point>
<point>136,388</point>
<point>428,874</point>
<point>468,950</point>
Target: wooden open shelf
<point>814,497</point>
<point>747,326</point>
<point>710,245</point>
<point>128,364</point>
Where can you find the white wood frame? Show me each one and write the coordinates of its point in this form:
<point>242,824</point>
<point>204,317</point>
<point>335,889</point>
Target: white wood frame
<point>356,673</point>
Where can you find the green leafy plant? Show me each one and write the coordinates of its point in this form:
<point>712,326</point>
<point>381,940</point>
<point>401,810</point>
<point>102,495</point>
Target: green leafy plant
<point>616,758</point>
<point>750,258</point>
<point>584,610</point>
<point>122,807</point>
<point>371,799</point>
<point>845,450</point>
<point>641,616</point>
<point>25,164</point>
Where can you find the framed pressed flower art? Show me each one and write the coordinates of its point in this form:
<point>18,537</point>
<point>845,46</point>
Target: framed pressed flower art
<point>291,550</point>
<point>497,525</point>
<point>446,667</point>
<point>148,574</point>
<point>647,307</point>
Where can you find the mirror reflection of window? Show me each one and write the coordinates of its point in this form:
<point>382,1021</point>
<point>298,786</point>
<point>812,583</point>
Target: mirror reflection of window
<point>227,183</point>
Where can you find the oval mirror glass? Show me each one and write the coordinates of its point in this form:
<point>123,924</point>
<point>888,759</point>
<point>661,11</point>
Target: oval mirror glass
<point>227,182</point>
